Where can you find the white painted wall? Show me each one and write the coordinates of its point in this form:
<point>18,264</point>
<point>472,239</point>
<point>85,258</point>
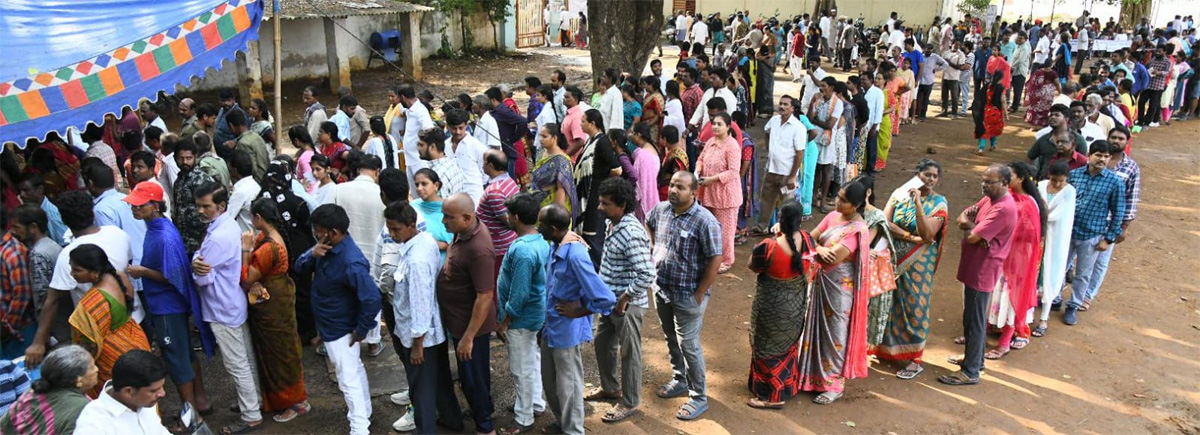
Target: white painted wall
<point>304,44</point>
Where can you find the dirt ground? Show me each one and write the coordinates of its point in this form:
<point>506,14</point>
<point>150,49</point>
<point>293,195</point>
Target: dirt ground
<point>1123,369</point>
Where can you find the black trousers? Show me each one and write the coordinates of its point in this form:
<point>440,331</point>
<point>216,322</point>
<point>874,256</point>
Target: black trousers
<point>1018,88</point>
<point>845,58</point>
<point>873,150</point>
<point>923,92</point>
<point>975,306</point>
<point>475,378</point>
<point>429,388</point>
<point>1154,112</point>
<point>950,94</point>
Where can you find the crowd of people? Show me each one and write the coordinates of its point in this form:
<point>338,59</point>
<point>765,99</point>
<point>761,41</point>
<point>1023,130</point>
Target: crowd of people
<point>443,224</point>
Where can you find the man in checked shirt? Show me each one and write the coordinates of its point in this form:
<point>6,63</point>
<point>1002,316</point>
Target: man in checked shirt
<point>1099,209</point>
<point>627,269</point>
<point>1131,176</point>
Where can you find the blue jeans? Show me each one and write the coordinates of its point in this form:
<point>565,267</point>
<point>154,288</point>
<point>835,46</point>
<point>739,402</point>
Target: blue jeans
<point>1085,257</point>
<point>681,321</point>
<point>965,85</point>
<point>1100,272</point>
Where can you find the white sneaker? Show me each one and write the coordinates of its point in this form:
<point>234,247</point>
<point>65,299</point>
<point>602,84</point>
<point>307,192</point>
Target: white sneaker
<point>405,423</point>
<point>1154,124</point>
<point>401,398</point>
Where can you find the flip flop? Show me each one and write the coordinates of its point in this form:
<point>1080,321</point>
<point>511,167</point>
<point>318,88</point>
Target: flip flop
<point>827,398</point>
<point>908,374</point>
<point>672,389</point>
<point>1019,343</point>
<point>997,353</point>
<point>724,269</point>
<point>377,352</point>
<point>960,340</point>
<point>957,378</point>
<point>298,409</point>
<point>598,394</point>
<point>757,403</point>
<point>691,410</point>
<point>617,413</point>
<point>240,427</point>
<point>1040,331</point>
<point>955,359</point>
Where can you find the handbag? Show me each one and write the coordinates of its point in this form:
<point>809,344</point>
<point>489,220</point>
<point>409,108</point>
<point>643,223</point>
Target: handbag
<point>881,277</point>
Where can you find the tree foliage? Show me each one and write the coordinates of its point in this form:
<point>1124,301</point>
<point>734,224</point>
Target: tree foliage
<point>973,7</point>
<point>495,10</point>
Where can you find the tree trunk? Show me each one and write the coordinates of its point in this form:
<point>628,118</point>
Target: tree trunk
<point>1133,10</point>
<point>823,6</point>
<point>622,34</point>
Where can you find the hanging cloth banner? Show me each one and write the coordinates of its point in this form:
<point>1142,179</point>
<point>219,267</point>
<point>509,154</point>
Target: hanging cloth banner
<point>70,62</point>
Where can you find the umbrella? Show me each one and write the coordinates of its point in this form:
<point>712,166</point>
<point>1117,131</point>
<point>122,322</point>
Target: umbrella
<point>70,62</point>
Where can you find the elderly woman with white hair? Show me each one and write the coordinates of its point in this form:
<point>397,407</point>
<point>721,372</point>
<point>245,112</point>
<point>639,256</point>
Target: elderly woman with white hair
<point>57,398</point>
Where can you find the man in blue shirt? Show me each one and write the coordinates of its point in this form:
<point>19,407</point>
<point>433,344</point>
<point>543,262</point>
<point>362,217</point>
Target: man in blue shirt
<point>345,301</point>
<point>1099,208</point>
<point>522,297</point>
<point>32,189</point>
<point>914,56</point>
<point>222,132</point>
<point>574,291</point>
<point>110,210</point>
<point>979,68</point>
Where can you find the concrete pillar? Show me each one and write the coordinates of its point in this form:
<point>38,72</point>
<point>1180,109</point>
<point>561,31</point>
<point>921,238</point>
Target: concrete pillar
<point>249,71</point>
<point>339,69</point>
<point>410,46</point>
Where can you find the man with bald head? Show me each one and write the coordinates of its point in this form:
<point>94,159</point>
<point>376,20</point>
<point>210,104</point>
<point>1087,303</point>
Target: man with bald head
<point>491,210</point>
<point>187,111</point>
<point>466,290</point>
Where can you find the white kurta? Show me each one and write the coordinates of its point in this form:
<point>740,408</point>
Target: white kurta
<point>1059,219</point>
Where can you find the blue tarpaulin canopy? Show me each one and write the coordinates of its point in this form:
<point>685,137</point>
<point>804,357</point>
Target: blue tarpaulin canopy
<point>69,62</point>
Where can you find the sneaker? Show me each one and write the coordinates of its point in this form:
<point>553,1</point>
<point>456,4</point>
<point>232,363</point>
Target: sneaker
<point>1154,124</point>
<point>1069,317</point>
<point>405,423</point>
<point>401,398</point>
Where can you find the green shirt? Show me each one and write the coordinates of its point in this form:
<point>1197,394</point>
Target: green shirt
<point>254,146</point>
<point>61,408</point>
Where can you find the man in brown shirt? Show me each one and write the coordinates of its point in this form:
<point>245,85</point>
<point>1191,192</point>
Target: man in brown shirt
<point>466,291</point>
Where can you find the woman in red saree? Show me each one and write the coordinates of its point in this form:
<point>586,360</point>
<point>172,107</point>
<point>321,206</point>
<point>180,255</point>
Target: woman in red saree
<point>674,159</point>
<point>1039,94</point>
<point>1012,303</point>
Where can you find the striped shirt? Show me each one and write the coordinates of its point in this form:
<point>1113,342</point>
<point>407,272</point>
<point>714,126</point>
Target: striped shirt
<point>16,292</point>
<point>491,211</point>
<point>450,175</point>
<point>627,267</point>
<point>1131,174</point>
<point>1097,198</point>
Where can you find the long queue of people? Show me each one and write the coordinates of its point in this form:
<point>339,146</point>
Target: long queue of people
<point>446,226</point>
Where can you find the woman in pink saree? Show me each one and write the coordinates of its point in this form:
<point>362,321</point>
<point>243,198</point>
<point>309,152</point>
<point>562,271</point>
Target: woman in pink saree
<point>833,345</point>
<point>1012,303</point>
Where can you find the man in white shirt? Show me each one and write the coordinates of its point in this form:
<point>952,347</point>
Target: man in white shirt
<point>825,24</point>
<point>245,189</point>
<point>896,36</point>
<point>717,89</point>
<point>361,200</point>
<point>467,152</point>
<point>681,27</point>
<point>129,401</point>
<point>890,24</point>
<point>487,131</point>
<point>815,74</point>
<point>150,115</point>
<point>874,97</point>
<point>1042,52</point>
<point>700,31</point>
<point>1093,102</point>
<point>433,150</point>
<point>612,104</point>
<point>656,68</point>
<point>314,112</point>
<point>416,118</point>
<point>786,138</point>
<point>950,76</point>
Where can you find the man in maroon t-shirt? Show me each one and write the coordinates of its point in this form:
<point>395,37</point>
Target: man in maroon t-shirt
<point>989,225</point>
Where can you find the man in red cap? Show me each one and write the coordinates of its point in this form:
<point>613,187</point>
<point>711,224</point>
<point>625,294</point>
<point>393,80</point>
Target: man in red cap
<point>170,294</point>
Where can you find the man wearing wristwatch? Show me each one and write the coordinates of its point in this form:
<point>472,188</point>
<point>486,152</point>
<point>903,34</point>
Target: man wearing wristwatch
<point>1099,209</point>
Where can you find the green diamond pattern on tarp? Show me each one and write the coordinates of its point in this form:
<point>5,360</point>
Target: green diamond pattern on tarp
<point>94,87</point>
<point>64,73</point>
<point>139,47</point>
<point>13,110</point>
<point>164,59</point>
<point>205,17</point>
<point>225,26</point>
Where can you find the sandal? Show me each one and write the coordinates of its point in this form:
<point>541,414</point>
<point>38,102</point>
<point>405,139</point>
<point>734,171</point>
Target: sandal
<point>806,218</point>
<point>997,353</point>
<point>515,429</point>
<point>295,410</point>
<point>598,394</point>
<point>758,231</point>
<point>617,413</point>
<point>908,373</point>
<point>957,378</point>
<point>740,239</point>
<point>377,351</point>
<point>1040,331</point>
<point>1087,303</point>
<point>757,403</point>
<point>691,410</point>
<point>827,397</point>
<point>960,340</point>
<point>321,350</point>
<point>672,389</point>
<point>241,427</point>
<point>955,359</point>
<point>1019,343</point>
<point>724,269</point>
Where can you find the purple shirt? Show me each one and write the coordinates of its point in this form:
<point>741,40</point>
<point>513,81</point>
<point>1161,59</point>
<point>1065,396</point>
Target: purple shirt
<point>980,266</point>
<point>224,301</point>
